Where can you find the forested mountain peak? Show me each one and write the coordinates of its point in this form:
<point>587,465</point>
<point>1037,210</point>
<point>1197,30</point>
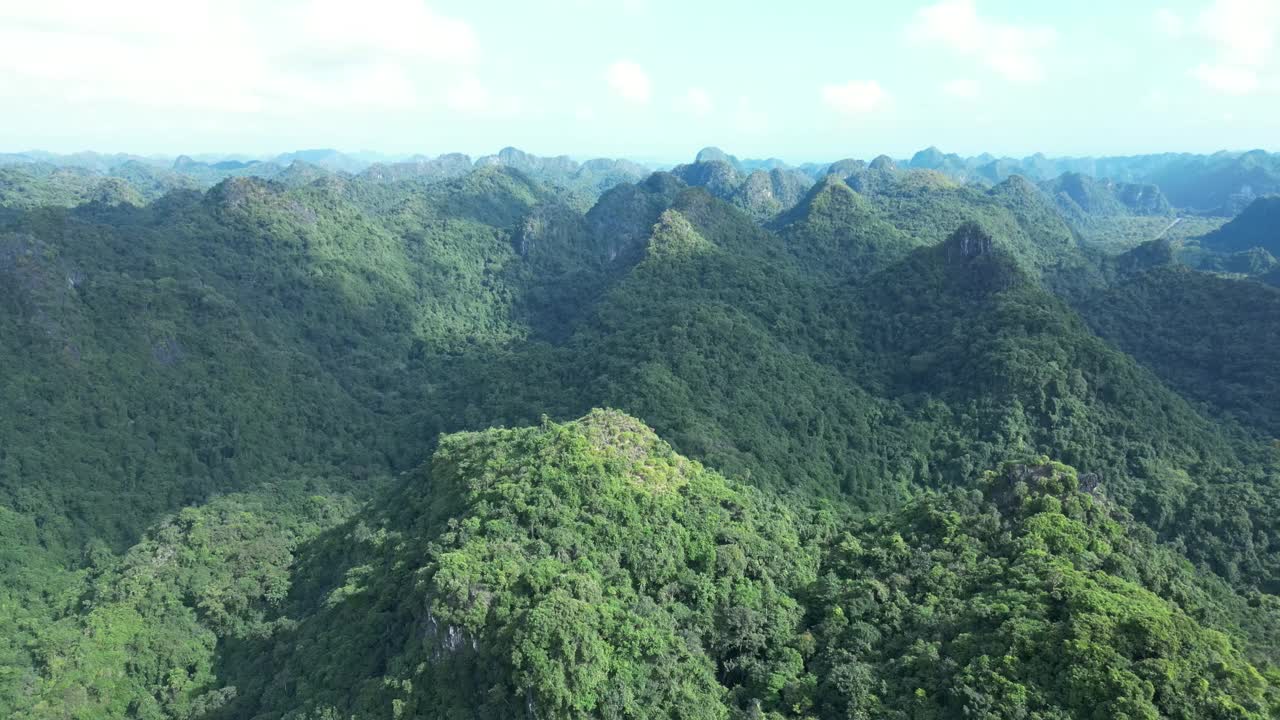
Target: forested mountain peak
<point>719,177</point>
<point>1147,256</point>
<point>674,236</point>
<point>715,154</point>
<point>1258,225</point>
<point>930,157</point>
<point>301,172</point>
<point>624,217</point>
<point>830,189</point>
<point>846,167</point>
<point>1017,188</point>
<point>969,241</point>
<point>236,192</point>
<point>115,191</point>
<point>570,569</point>
<point>977,263</point>
<point>1081,196</point>
<point>531,164</point>
<point>884,163</point>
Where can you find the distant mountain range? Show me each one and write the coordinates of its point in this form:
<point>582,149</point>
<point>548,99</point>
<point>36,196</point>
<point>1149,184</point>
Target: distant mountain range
<point>1219,184</point>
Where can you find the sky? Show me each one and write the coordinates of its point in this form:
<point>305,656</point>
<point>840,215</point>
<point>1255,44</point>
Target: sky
<point>646,79</point>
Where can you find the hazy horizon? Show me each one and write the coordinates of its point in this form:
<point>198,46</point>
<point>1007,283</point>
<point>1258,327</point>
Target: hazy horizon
<point>374,156</point>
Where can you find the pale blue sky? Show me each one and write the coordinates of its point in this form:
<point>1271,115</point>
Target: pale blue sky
<point>653,79</point>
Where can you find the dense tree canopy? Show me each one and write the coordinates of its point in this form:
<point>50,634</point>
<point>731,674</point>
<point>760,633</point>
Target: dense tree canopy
<point>247,470</point>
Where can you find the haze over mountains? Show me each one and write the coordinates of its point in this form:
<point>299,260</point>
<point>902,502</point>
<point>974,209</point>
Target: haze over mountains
<point>325,436</point>
<point>1218,184</point>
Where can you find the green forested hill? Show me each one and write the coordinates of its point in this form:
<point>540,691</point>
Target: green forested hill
<point>923,207</point>
<point>1258,226</point>
<point>216,401</point>
<point>587,570</point>
<point>201,342</point>
<point>1214,339</point>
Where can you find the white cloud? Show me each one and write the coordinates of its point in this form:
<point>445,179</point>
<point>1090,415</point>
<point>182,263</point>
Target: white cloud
<point>1011,51</point>
<point>1244,30</point>
<point>230,55</point>
<point>856,97</point>
<point>962,88</point>
<point>1243,34</point>
<point>697,102</point>
<point>629,81</point>
<point>1227,79</point>
<point>1169,23</point>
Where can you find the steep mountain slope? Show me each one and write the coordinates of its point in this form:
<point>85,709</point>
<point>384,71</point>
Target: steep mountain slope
<point>762,193</point>
<point>429,298</point>
<point>950,164</point>
<point>1082,197</point>
<point>1027,598</point>
<point>837,230</point>
<point>1258,226</point>
<point>963,324</point>
<point>268,323</point>
<point>950,361</point>
<point>579,569</point>
<point>1213,339</point>
<point>585,181</point>
<point>585,569</point>
<point>923,207</point>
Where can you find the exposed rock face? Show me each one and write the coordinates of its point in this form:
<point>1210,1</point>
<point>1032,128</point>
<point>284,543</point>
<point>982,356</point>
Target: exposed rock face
<point>765,194</point>
<point>1143,199</point>
<point>549,226</point>
<point>622,221</point>
<point>43,287</point>
<point>978,265</point>
<point>969,241</point>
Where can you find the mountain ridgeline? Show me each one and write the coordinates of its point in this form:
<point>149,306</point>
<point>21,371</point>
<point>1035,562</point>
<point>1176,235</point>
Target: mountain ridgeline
<point>321,436</point>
